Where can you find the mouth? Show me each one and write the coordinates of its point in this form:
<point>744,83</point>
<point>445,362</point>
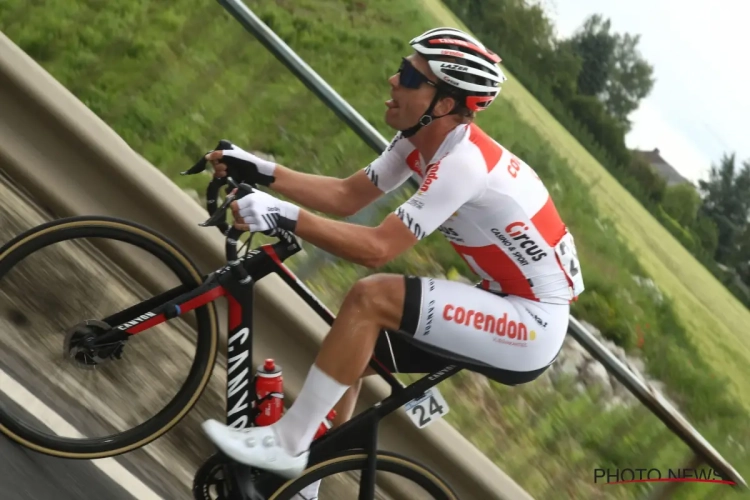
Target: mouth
<point>391,103</point>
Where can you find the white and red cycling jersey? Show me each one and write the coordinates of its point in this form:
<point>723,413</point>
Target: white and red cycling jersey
<point>492,207</point>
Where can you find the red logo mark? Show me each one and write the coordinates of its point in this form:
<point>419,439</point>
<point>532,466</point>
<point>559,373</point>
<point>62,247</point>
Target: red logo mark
<point>431,176</point>
<point>488,323</point>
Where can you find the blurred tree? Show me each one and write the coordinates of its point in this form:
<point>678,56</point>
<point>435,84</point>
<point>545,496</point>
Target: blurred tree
<point>630,80</point>
<point>726,200</point>
<point>707,232</point>
<point>682,202</point>
<point>612,68</point>
<point>596,46</point>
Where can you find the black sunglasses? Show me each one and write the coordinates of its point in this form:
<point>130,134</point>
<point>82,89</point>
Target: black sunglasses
<point>410,77</point>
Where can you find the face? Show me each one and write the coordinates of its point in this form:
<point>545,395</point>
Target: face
<point>407,105</point>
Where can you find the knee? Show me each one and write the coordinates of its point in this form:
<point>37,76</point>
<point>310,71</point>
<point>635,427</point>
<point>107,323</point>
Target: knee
<point>366,291</point>
<point>378,294</point>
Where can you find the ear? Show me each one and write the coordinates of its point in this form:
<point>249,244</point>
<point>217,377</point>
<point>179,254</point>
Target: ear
<point>444,105</point>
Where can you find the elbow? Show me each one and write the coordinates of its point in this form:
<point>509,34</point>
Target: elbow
<point>345,210</point>
<point>377,257</point>
<point>347,205</point>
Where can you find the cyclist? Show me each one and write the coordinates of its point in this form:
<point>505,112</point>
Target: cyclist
<point>490,205</point>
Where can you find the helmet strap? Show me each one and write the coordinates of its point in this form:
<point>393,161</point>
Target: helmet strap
<point>425,120</point>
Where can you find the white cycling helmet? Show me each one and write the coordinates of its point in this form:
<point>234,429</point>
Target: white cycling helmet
<point>474,76</point>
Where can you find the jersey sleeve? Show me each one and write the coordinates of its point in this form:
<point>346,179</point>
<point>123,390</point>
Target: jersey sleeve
<point>390,170</point>
<point>448,185</point>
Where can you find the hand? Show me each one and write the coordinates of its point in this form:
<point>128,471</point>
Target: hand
<point>261,212</point>
<point>242,166</point>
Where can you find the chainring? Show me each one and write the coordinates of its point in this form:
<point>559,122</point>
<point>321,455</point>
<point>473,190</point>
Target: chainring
<point>214,480</point>
<point>210,481</point>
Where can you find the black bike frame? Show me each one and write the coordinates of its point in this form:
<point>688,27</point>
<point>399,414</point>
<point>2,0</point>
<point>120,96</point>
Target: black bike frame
<point>361,432</point>
<point>235,282</point>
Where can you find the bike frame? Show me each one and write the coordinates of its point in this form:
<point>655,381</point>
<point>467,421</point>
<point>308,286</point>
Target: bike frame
<point>235,282</point>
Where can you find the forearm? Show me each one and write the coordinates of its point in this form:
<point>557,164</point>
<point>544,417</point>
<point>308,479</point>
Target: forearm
<point>316,192</point>
<point>351,242</point>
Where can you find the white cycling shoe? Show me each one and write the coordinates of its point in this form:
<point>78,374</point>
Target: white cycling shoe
<point>256,447</point>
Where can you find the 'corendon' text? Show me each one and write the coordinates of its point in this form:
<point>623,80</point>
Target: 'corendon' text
<point>489,323</point>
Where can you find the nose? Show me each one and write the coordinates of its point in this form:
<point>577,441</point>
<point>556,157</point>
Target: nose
<point>393,80</point>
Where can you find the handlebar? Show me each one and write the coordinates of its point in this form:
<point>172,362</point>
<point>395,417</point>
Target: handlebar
<point>217,215</point>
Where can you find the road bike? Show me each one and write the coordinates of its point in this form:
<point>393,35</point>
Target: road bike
<point>351,447</point>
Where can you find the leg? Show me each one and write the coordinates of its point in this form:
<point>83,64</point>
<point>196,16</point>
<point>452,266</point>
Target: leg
<point>345,407</point>
<point>373,304</point>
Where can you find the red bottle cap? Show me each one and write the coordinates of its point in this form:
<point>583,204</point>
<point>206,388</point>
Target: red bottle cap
<point>269,365</point>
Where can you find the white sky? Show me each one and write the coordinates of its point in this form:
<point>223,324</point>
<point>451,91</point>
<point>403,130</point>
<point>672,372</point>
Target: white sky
<point>699,106</point>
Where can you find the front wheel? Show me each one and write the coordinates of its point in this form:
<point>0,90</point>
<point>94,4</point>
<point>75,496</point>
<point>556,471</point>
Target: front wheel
<point>394,473</point>
<point>108,404</point>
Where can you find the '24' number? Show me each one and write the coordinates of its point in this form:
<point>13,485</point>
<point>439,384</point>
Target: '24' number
<point>435,408</point>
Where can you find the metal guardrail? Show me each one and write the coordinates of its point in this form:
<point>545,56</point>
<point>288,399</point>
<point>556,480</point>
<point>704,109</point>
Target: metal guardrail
<point>703,452</point>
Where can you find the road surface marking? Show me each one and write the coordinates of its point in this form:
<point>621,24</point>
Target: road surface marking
<point>46,415</point>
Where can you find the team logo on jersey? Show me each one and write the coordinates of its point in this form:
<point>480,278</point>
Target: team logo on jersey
<point>519,243</point>
<point>416,203</point>
<point>397,138</point>
<point>370,172</point>
<point>539,320</point>
<point>450,233</point>
<point>505,331</point>
<point>411,223</point>
<point>432,176</point>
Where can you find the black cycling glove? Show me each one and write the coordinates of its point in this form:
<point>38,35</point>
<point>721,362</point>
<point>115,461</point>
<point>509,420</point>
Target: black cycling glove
<point>247,167</point>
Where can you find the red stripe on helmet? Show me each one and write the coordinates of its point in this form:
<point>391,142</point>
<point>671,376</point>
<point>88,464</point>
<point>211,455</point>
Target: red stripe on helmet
<point>490,55</point>
<point>473,102</point>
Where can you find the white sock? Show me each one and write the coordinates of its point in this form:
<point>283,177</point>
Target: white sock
<point>298,426</point>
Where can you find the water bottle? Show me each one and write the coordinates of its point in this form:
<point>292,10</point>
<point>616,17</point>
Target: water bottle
<point>326,425</point>
<point>269,382</point>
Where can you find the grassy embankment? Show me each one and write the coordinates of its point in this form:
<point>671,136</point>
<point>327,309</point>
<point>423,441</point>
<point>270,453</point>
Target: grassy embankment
<point>171,81</point>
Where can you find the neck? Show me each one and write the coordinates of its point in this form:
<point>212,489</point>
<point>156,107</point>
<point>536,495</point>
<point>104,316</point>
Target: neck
<point>429,138</point>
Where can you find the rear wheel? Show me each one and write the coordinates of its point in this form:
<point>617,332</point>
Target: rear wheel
<point>30,280</point>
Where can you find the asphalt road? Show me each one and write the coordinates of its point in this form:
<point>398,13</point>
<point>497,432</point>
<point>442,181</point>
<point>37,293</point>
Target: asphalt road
<point>27,475</point>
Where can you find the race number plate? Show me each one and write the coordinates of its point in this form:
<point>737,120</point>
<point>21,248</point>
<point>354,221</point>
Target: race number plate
<point>428,408</point>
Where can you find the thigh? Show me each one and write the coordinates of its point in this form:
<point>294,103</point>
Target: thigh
<point>399,354</point>
<point>465,322</point>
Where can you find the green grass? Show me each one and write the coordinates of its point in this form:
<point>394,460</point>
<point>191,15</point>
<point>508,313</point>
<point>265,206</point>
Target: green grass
<point>172,80</point>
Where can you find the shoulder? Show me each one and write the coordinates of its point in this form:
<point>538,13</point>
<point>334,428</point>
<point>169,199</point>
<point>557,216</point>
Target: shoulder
<point>399,145</point>
<point>470,152</point>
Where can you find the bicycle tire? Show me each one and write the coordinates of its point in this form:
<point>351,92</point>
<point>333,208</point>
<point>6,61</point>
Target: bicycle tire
<point>355,460</point>
<point>206,344</point>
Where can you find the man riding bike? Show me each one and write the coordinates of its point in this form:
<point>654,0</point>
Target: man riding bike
<point>491,206</point>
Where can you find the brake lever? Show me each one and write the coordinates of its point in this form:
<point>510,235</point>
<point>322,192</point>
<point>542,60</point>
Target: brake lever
<point>219,216</point>
<point>200,165</point>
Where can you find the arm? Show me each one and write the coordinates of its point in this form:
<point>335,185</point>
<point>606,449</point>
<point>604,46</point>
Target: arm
<point>330,195</point>
<point>368,246</point>
<point>344,197</point>
<point>452,185</point>
<point>341,197</point>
